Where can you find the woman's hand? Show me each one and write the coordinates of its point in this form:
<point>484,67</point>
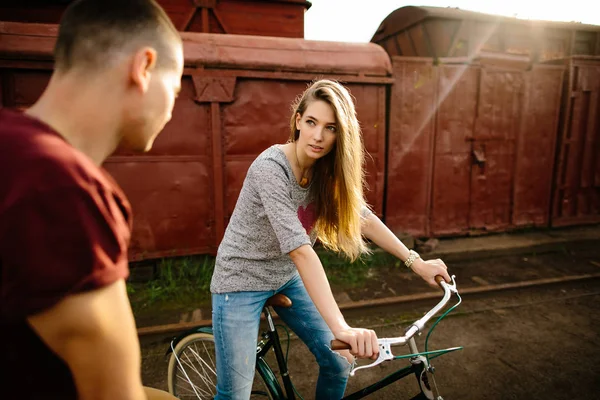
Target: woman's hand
<point>429,269</point>
<point>363,341</point>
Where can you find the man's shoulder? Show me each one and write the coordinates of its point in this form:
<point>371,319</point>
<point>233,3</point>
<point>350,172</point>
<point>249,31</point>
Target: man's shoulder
<point>35,159</point>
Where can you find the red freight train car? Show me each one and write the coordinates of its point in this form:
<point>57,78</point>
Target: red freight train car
<point>235,102</point>
<point>474,124</point>
<point>283,18</point>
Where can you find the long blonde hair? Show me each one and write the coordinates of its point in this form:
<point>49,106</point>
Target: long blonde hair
<point>338,177</point>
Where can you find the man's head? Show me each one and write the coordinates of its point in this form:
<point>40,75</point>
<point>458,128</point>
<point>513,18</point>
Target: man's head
<point>136,45</point>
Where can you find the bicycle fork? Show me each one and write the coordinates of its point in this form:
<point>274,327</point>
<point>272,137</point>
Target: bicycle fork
<point>422,368</point>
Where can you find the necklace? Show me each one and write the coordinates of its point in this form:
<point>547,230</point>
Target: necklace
<point>304,179</point>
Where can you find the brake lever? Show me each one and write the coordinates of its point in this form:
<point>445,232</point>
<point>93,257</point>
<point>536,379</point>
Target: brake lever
<point>452,286</point>
<point>385,354</point>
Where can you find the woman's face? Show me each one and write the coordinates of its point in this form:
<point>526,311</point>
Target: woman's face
<point>318,130</point>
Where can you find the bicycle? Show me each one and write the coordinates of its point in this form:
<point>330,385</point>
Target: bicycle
<point>192,370</point>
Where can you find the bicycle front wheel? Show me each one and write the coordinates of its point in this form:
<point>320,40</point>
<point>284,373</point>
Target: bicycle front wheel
<point>192,372</point>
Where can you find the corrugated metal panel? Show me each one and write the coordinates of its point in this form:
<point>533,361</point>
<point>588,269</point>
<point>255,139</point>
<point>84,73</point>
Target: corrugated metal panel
<point>256,120</point>
<point>371,107</point>
<point>494,135</point>
<point>173,204</point>
<point>577,188</point>
<point>410,141</point>
<point>458,87</point>
<point>536,146</point>
<point>496,128</point>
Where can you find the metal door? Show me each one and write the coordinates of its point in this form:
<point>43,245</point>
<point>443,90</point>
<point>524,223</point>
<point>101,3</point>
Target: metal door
<point>577,188</point>
<point>493,148</point>
<point>458,94</point>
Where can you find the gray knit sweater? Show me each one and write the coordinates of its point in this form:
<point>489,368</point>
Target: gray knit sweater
<point>272,217</point>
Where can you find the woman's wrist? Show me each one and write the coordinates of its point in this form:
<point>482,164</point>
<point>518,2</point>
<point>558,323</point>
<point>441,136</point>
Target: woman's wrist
<point>413,256</point>
<point>339,326</point>
<point>417,264</point>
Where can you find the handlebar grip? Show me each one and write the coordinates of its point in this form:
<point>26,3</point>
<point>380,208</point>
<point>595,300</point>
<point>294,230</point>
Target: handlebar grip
<point>439,279</point>
<point>339,345</point>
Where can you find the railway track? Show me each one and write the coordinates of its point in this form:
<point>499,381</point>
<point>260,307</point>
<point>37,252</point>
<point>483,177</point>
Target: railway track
<point>479,286</point>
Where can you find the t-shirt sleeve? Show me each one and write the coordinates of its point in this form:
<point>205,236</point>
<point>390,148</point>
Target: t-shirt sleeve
<point>60,242</point>
<point>271,183</point>
<point>365,212</point>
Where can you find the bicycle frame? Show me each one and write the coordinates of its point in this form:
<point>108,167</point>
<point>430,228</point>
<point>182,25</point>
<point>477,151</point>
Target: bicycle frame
<point>419,364</point>
<point>419,368</point>
<point>270,338</point>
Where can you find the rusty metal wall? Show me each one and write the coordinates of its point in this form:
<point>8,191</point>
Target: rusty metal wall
<point>577,186</point>
<point>453,161</point>
<point>536,146</point>
<point>235,102</point>
<point>470,147</point>
<point>497,122</point>
<point>409,148</point>
<point>283,18</point>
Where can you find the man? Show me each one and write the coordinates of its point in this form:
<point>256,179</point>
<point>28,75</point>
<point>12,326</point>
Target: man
<point>66,326</point>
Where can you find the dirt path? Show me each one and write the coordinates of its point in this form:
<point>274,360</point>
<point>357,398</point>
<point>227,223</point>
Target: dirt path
<point>531,343</point>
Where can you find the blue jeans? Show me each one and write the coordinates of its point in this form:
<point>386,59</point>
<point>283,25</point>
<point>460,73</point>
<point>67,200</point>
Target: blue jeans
<point>236,318</point>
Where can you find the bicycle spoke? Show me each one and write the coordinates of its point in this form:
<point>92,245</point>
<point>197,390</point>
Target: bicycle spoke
<point>191,392</point>
<point>206,380</point>
<point>189,362</point>
<point>208,354</point>
<point>207,384</point>
<point>195,375</point>
<point>203,362</point>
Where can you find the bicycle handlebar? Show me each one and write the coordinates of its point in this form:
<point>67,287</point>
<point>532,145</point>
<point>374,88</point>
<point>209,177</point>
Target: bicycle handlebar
<point>413,329</point>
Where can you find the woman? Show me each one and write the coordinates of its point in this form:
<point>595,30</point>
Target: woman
<point>311,187</point>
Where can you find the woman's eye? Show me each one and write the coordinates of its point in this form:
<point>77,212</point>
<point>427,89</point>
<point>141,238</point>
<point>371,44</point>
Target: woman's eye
<point>332,129</point>
<point>311,122</point>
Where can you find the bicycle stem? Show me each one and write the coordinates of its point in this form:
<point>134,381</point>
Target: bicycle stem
<point>420,324</point>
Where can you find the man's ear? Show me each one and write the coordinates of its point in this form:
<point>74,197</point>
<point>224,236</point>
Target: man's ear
<point>142,65</point>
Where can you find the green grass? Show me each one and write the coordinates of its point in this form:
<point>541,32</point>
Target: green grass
<point>183,283</point>
<point>346,274</point>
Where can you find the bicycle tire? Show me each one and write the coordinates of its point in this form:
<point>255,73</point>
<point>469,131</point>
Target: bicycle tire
<point>197,353</point>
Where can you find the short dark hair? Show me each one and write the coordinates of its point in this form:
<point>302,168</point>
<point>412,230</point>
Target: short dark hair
<point>90,30</point>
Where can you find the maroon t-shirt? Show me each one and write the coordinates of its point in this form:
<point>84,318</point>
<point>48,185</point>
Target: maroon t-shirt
<point>64,228</point>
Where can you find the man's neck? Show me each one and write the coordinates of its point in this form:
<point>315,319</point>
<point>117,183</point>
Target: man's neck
<point>81,113</point>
